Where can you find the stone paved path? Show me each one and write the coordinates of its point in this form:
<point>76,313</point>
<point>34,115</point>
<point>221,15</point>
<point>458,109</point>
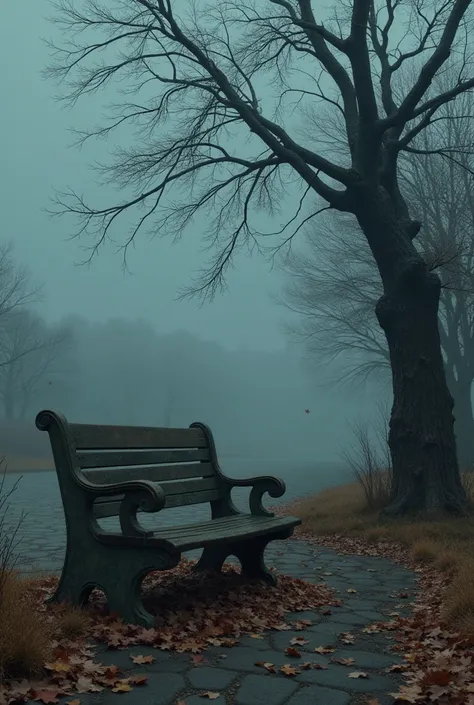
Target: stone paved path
<point>232,671</point>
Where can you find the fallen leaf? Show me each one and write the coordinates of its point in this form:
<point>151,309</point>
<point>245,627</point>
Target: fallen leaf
<point>142,659</point>
<point>122,686</point>
<point>298,641</point>
<point>343,661</point>
<point>289,670</point>
<point>436,678</point>
<point>138,679</point>
<point>358,674</point>
<point>73,702</point>
<point>199,658</point>
<point>324,650</point>
<point>58,666</point>
<point>46,696</point>
<point>267,666</point>
<point>209,694</point>
<point>347,638</point>
<point>291,651</point>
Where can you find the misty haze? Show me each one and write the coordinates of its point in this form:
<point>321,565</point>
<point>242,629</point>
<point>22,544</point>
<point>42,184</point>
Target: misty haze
<point>121,346</point>
<point>236,329</point>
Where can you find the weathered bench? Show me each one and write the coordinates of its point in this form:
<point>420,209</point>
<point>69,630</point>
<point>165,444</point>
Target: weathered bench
<point>106,471</point>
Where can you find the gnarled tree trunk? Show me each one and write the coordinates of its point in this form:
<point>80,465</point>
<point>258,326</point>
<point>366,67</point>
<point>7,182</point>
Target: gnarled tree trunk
<point>463,423</point>
<point>421,435</point>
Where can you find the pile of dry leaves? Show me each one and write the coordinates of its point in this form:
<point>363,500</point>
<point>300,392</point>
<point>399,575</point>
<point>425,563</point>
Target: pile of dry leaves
<point>194,610</point>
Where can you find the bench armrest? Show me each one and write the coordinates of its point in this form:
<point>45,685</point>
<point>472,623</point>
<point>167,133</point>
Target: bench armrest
<point>265,483</point>
<point>138,494</point>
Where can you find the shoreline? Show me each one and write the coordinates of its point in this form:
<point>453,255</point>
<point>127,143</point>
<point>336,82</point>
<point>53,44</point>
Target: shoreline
<point>25,466</point>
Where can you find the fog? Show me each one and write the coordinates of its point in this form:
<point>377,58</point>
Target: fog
<point>136,353</point>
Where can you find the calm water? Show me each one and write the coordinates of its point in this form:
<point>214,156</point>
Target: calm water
<point>42,532</point>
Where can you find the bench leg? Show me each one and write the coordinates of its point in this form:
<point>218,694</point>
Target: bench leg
<point>124,599</point>
<point>212,558</point>
<point>71,591</point>
<point>250,554</point>
<point>73,587</point>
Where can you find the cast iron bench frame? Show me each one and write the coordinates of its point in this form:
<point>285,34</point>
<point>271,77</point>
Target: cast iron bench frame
<point>118,470</point>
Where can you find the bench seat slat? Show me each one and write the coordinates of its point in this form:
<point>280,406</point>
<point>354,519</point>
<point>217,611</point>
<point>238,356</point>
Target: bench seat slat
<point>106,459</point>
<point>94,436</point>
<point>156,473</point>
<point>227,529</point>
<point>248,526</point>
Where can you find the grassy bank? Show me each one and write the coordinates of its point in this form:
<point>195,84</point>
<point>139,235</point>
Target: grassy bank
<point>445,545</point>
<point>20,464</point>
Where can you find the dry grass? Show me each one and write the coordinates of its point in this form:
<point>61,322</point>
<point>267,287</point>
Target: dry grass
<point>447,544</point>
<point>22,463</point>
<point>25,635</point>
<point>73,622</point>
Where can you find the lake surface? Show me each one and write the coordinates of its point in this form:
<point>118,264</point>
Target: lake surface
<point>42,532</point>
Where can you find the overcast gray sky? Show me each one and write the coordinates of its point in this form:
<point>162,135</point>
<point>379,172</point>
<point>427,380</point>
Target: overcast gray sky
<point>37,156</point>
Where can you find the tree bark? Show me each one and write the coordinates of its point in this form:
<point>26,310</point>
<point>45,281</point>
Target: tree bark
<point>463,423</point>
<point>421,436</point>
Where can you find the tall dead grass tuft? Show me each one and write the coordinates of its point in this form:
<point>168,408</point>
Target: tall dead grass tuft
<point>370,462</point>
<point>25,633</point>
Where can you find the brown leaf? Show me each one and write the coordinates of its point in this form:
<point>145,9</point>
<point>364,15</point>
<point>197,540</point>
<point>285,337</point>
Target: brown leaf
<point>138,679</point>
<point>324,650</point>
<point>291,651</point>
<point>358,674</point>
<point>122,686</point>
<point>142,659</point>
<point>298,641</point>
<point>46,696</point>
<point>112,671</point>
<point>351,590</point>
<point>198,658</point>
<point>73,702</point>
<point>343,661</point>
<point>289,670</point>
<point>209,694</point>
<point>267,665</point>
<point>86,685</point>
<point>347,638</point>
<point>442,677</point>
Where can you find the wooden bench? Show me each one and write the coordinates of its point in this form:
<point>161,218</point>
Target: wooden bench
<point>106,471</point>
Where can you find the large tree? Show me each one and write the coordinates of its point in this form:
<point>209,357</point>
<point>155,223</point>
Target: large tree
<point>202,78</point>
<point>333,283</point>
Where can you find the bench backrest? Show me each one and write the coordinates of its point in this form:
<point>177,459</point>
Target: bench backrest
<point>182,460</point>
